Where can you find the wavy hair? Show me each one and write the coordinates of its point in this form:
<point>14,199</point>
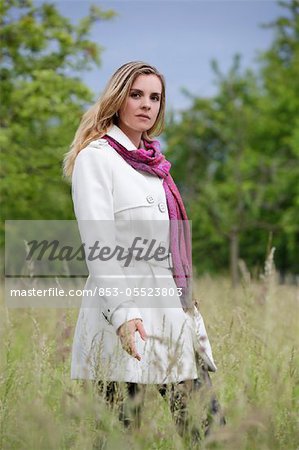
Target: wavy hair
<point>99,117</point>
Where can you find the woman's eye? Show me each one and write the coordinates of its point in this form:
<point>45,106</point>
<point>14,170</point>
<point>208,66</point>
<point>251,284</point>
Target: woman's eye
<point>135,95</point>
<point>156,98</point>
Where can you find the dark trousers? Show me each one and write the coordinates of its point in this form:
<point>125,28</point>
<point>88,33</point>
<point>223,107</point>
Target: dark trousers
<point>129,398</point>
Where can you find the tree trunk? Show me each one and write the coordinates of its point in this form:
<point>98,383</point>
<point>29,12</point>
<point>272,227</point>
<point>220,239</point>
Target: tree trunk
<point>234,256</point>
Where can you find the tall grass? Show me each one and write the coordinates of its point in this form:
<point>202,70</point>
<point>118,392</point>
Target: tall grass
<point>254,333</point>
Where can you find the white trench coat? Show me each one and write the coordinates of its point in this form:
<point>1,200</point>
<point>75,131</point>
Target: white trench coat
<point>105,188</point>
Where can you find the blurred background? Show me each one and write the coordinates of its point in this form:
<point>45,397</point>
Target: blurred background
<point>232,135</point>
<point>232,131</point>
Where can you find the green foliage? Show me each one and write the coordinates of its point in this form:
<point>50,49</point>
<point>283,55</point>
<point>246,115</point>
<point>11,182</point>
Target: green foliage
<point>41,104</point>
<point>236,158</point>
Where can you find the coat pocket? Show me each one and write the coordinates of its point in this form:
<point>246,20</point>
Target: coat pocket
<point>134,224</point>
<point>134,209</point>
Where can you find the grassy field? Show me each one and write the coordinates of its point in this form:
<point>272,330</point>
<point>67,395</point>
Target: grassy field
<point>254,333</point>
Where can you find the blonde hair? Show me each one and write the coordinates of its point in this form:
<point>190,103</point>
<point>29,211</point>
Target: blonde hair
<point>99,117</point>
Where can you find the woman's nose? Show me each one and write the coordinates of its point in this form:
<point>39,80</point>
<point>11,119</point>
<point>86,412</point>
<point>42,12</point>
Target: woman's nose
<point>146,104</point>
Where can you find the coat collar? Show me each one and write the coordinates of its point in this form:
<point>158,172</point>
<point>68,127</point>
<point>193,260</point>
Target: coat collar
<point>116,133</point>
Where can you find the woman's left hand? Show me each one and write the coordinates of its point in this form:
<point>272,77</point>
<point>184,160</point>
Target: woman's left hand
<point>127,331</point>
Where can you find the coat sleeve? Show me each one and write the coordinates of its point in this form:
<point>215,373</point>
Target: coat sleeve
<point>92,193</point>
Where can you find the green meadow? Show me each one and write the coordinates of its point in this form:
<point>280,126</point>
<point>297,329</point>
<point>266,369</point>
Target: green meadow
<point>254,333</point>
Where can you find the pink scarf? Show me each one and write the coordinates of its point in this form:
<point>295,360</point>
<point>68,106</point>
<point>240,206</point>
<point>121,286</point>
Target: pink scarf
<point>151,160</point>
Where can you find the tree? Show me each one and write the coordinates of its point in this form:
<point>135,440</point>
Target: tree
<point>225,196</point>
<point>41,103</point>
<point>236,158</point>
<point>280,125</point>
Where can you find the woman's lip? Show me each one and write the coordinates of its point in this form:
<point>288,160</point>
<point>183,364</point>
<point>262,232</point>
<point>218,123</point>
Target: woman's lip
<point>143,117</point>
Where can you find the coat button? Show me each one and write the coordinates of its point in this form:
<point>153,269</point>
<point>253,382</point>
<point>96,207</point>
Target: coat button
<point>162,207</point>
<point>150,199</point>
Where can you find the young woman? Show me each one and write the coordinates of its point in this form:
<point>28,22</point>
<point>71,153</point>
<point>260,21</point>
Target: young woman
<point>135,329</point>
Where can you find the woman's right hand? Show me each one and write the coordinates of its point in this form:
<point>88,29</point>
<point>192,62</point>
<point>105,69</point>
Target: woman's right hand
<point>127,331</point>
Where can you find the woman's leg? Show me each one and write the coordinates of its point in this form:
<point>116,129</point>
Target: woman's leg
<point>127,397</point>
<point>214,414</point>
<point>178,396</point>
<point>130,412</point>
<point>185,397</point>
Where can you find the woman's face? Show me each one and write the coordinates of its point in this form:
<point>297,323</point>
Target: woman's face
<point>140,110</point>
